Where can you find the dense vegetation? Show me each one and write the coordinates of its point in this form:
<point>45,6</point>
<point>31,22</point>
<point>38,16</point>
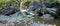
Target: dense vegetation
<point>6,3</point>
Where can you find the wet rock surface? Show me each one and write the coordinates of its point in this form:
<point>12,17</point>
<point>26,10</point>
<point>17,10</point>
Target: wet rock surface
<point>36,16</point>
<point>48,16</point>
<point>20,20</point>
<point>9,10</point>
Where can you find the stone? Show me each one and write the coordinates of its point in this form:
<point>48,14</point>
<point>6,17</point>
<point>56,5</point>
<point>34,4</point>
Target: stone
<point>48,17</point>
<point>54,12</point>
<point>9,10</point>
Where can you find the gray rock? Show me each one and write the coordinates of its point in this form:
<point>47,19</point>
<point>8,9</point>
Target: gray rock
<point>35,8</point>
<point>9,10</point>
<point>51,10</point>
<point>48,16</point>
<point>54,12</point>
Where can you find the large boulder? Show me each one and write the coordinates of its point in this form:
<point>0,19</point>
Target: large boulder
<point>35,8</point>
<point>9,10</point>
<point>54,12</point>
<point>48,16</point>
<point>41,9</point>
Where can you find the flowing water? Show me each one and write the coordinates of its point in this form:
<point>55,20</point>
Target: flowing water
<point>18,19</point>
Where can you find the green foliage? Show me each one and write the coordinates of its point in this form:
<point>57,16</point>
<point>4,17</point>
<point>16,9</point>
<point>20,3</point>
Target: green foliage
<point>6,3</point>
<point>3,3</point>
<point>59,1</point>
